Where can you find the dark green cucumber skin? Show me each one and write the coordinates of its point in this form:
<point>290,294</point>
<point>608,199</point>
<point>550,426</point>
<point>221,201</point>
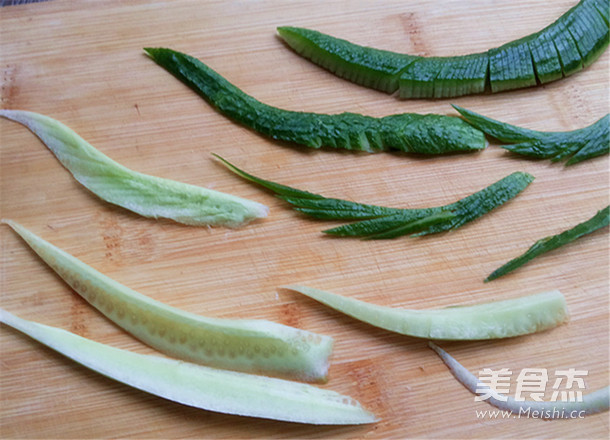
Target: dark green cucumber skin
<point>547,244</point>
<point>577,145</point>
<point>379,222</point>
<point>561,49</point>
<point>407,132</point>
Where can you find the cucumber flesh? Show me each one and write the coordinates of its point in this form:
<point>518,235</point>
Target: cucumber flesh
<point>546,59</point>
<point>464,75</point>
<point>511,67</point>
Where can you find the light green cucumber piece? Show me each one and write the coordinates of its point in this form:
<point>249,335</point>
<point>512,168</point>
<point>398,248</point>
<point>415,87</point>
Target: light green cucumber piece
<point>254,346</point>
<point>417,79</point>
<point>546,59</point>
<point>569,56</point>
<point>592,403</point>
<point>143,194</point>
<point>590,32</point>
<point>202,387</point>
<point>373,68</point>
<point>493,320</point>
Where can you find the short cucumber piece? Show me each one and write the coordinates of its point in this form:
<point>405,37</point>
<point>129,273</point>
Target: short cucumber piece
<point>202,387</point>
<point>561,49</point>
<point>577,145</point>
<point>407,132</point>
<point>254,346</point>
<point>143,194</point>
<point>493,320</point>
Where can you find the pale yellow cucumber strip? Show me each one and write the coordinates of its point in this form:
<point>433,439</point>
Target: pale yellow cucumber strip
<point>595,402</point>
<point>500,319</point>
<point>143,194</point>
<point>254,346</point>
<point>202,387</point>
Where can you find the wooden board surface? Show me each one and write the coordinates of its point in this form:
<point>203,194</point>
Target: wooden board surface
<point>82,63</point>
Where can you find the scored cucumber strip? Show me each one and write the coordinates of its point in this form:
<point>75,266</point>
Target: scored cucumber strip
<point>378,222</point>
<point>143,194</point>
<point>202,387</point>
<point>254,346</point>
<point>579,145</point>
<point>572,42</point>
<point>493,320</point>
<point>407,132</point>
<point>377,69</point>
<point>592,403</point>
<point>598,221</point>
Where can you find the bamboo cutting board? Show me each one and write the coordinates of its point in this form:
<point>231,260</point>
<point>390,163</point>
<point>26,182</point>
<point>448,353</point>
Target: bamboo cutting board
<point>82,63</point>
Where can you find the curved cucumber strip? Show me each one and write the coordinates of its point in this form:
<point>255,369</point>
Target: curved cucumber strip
<point>407,132</point>
<point>378,222</point>
<point>595,402</point>
<point>599,220</point>
<point>202,387</point>
<point>254,346</point>
<point>577,145</point>
<point>493,320</point>
<point>572,42</point>
<point>146,195</point>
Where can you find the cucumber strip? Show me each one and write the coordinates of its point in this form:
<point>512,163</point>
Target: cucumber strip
<point>374,68</point>
<point>581,144</point>
<point>407,132</point>
<point>143,194</point>
<point>592,403</point>
<point>461,76</point>
<point>572,42</point>
<point>254,346</point>
<point>198,386</point>
<point>493,320</point>
<point>598,221</point>
<point>378,222</point>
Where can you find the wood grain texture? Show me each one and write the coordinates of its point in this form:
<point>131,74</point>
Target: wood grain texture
<point>84,65</point>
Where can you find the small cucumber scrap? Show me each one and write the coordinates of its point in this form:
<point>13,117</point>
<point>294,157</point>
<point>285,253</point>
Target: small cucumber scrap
<point>202,387</point>
<point>378,222</point>
<point>493,320</point>
<point>598,221</point>
<point>577,145</point>
<point>143,194</point>
<point>407,132</point>
<point>572,42</point>
<point>592,403</point>
<point>253,346</point>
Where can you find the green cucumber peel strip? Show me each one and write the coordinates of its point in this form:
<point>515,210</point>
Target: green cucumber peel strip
<point>253,346</point>
<point>598,221</point>
<point>574,41</point>
<point>407,132</point>
<point>143,194</point>
<point>592,403</point>
<point>378,222</point>
<point>202,387</point>
<point>577,145</point>
<point>493,320</point>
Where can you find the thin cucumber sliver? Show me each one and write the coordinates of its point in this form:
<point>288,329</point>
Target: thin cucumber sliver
<point>253,346</point>
<point>493,320</point>
<point>143,194</point>
<point>572,42</point>
<point>198,386</point>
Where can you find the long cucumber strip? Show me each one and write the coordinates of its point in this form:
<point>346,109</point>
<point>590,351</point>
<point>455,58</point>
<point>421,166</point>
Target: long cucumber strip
<point>592,403</point>
<point>407,132</point>
<point>598,221</point>
<point>572,42</point>
<point>379,222</point>
<point>198,386</point>
<point>143,194</point>
<point>493,320</point>
<point>577,145</point>
<point>254,346</point>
